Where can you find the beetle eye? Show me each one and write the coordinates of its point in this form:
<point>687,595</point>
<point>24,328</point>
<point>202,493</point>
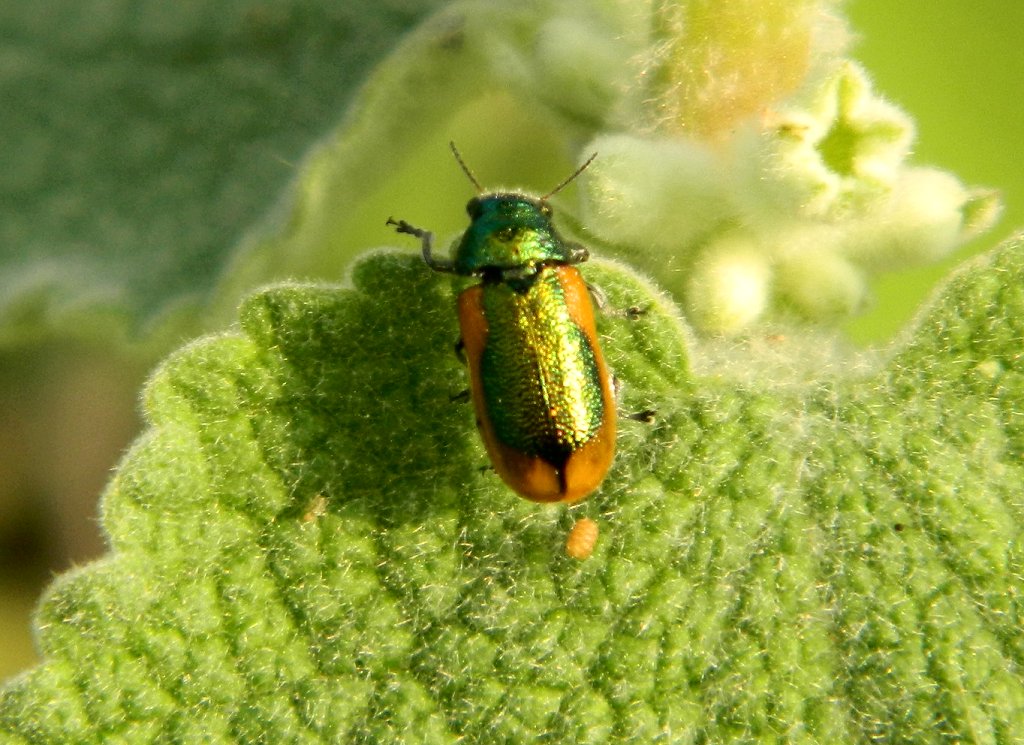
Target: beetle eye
<point>473,207</point>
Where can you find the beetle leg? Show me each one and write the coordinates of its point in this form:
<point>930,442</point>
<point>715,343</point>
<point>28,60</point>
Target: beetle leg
<point>427,239</point>
<point>460,352</point>
<point>601,303</point>
<point>598,296</point>
<point>647,416</point>
<point>577,253</point>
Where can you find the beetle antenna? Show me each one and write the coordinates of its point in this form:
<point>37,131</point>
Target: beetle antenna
<point>465,168</point>
<point>569,180</point>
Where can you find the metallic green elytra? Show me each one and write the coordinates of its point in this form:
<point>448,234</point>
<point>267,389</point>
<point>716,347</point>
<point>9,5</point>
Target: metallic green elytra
<point>533,338</point>
<point>540,386</point>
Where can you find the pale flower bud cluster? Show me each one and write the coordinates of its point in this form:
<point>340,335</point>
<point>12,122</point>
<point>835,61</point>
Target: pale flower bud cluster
<point>743,159</point>
<point>789,214</point>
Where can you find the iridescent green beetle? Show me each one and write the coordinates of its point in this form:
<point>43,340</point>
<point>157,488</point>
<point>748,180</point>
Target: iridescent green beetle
<point>541,389</point>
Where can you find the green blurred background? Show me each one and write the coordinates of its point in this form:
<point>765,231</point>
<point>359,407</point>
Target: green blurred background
<point>957,67</point>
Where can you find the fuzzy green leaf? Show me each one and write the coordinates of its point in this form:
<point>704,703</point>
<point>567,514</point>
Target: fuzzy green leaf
<point>305,548</point>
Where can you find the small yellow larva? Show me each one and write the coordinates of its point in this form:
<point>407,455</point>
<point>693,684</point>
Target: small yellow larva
<point>582,538</point>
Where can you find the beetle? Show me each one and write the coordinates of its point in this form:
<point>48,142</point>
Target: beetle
<point>540,386</point>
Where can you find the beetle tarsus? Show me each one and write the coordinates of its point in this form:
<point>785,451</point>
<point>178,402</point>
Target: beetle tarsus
<point>401,226</point>
<point>427,239</point>
<point>647,416</point>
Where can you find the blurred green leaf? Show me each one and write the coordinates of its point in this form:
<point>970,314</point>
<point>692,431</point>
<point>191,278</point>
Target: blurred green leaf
<point>141,140</point>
